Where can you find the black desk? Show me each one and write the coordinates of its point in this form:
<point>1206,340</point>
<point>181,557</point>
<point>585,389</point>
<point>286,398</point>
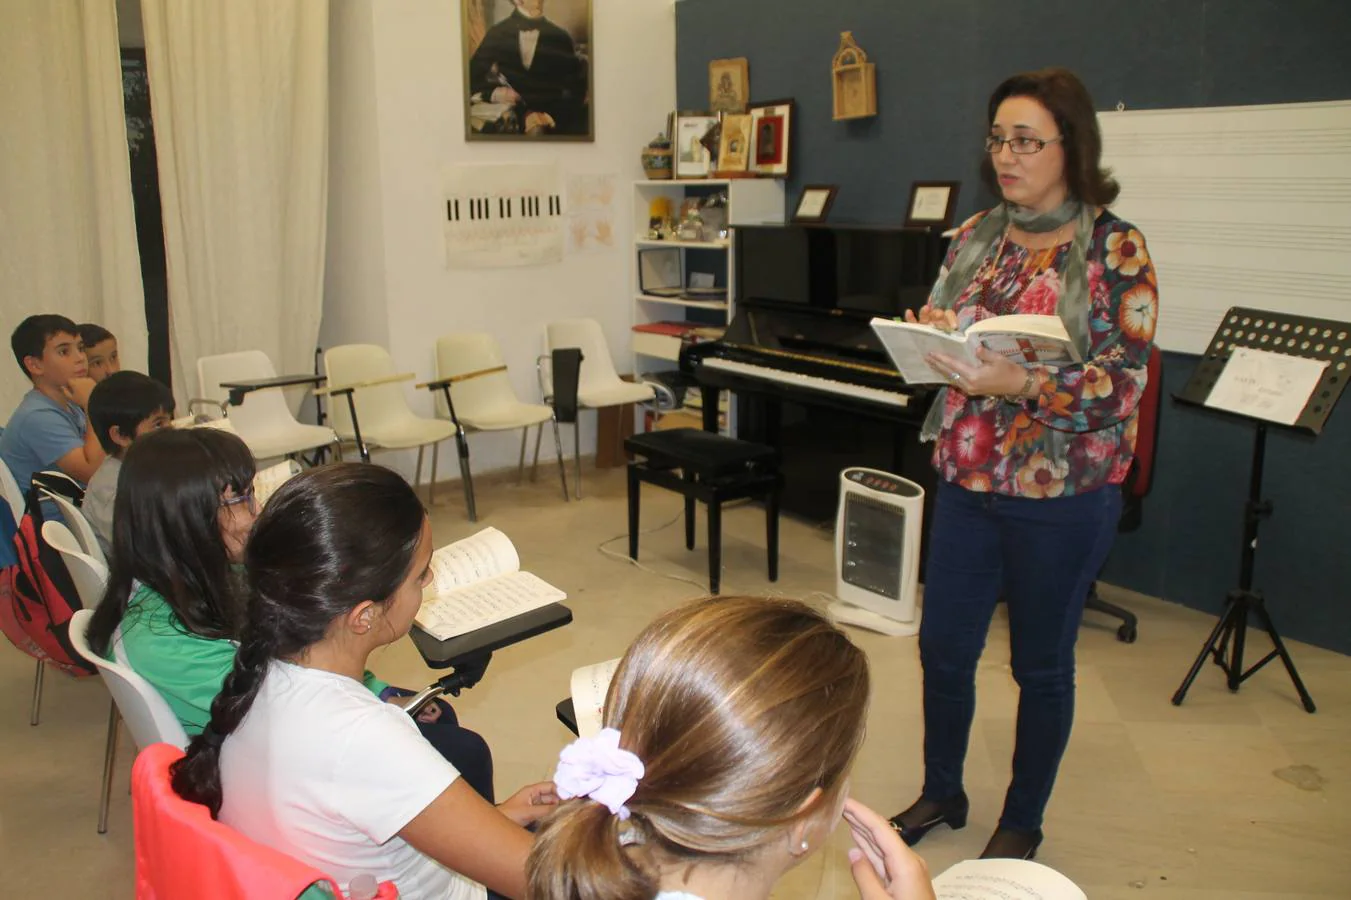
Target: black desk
<point>238,389</point>
<point>459,650</point>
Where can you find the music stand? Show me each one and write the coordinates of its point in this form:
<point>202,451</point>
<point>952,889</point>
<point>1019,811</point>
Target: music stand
<point>1289,335</point>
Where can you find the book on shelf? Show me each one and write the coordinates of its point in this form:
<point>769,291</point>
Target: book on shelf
<point>589,686</point>
<point>1025,339</point>
<point>1004,879</point>
<point>476,582</point>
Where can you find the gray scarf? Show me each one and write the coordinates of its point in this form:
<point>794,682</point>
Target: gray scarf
<point>1072,306</point>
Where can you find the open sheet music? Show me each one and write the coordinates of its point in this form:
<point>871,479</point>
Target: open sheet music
<point>590,684</point>
<point>1005,879</point>
<point>266,481</point>
<point>477,582</point>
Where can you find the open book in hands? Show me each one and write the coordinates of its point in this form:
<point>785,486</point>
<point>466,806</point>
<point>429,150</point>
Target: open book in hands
<point>1024,339</point>
<point>1005,879</point>
<point>477,582</point>
<point>590,684</point>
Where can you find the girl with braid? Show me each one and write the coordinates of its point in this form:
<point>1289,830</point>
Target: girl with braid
<point>298,754</point>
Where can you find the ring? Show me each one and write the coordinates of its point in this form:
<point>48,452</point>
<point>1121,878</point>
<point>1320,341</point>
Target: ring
<point>956,376</point>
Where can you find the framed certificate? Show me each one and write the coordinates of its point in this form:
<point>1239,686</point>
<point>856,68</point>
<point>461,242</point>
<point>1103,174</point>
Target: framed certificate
<point>932,204</point>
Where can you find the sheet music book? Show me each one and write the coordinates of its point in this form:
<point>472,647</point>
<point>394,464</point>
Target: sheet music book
<point>1265,385</point>
<point>477,582</point>
<point>589,687</point>
<point>1025,339</point>
<point>266,481</point>
<point>1005,879</point>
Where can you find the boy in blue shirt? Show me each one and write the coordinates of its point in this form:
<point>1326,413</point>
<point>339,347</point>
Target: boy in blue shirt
<point>49,429</point>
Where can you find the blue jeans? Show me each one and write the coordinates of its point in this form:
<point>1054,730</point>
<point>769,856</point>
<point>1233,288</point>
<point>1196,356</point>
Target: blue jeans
<point>1041,556</point>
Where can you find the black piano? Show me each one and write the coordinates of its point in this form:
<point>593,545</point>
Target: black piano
<point>808,374</point>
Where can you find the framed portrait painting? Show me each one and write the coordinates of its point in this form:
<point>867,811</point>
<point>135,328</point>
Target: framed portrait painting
<point>527,70</point>
<point>771,138</point>
<point>729,85</point>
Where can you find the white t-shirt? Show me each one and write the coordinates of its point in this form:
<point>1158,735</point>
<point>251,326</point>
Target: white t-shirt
<point>322,770</point>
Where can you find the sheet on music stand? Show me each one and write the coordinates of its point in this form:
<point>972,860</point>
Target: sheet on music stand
<point>1265,385</point>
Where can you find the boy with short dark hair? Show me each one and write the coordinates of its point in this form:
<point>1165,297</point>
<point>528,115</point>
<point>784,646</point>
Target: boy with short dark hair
<point>100,350</point>
<point>124,406</point>
<point>49,428</point>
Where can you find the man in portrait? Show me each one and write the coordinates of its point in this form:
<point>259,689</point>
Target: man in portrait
<point>530,65</point>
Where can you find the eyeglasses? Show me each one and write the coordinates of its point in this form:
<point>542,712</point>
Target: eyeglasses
<point>1023,146</point>
<point>248,496</point>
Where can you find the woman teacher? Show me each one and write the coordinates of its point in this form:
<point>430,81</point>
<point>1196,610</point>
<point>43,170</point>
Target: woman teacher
<point>1030,459</point>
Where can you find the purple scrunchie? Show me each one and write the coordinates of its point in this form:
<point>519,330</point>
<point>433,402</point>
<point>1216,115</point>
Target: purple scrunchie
<point>597,768</point>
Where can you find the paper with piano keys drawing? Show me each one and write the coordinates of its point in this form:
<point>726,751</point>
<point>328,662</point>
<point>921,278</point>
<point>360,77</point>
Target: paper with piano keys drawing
<point>502,215</point>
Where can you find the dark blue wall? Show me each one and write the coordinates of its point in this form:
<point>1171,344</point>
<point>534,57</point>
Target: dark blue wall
<point>937,61</point>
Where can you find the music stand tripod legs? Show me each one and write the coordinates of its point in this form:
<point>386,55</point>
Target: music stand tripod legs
<point>1227,641</point>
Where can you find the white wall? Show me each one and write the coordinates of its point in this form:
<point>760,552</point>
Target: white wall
<point>418,124</point>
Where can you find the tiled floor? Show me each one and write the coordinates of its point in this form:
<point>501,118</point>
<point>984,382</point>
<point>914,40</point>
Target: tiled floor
<point>1230,796</point>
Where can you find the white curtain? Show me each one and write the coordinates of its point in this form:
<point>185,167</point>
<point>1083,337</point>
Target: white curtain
<point>239,91</point>
<point>67,226</point>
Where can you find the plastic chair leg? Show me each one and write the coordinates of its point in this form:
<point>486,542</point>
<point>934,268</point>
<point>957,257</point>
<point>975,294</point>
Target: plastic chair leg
<point>431,486</point>
<point>109,756</point>
<point>520,468</point>
<point>37,693</point>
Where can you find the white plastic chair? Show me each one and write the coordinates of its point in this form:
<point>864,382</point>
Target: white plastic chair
<point>9,488</point>
<point>263,419</point>
<point>148,716</point>
<point>89,574</point>
<point>383,416</point>
<point>79,526</point>
<point>484,400</point>
<point>600,385</point>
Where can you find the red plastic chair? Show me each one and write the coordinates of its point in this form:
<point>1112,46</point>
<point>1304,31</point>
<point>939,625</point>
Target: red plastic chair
<point>182,852</point>
<point>1136,486</point>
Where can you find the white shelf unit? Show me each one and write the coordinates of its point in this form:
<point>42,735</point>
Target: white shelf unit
<point>750,201</point>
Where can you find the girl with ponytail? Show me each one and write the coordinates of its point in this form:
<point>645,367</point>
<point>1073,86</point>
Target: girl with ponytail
<point>731,727</point>
<point>175,597</point>
<point>299,755</point>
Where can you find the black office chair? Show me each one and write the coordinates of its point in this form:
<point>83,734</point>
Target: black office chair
<point>1135,488</point>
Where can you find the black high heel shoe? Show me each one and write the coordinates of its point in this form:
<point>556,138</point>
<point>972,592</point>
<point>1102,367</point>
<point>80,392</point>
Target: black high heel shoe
<point>1009,843</point>
<point>925,815</point>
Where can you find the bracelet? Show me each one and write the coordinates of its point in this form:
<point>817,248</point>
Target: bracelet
<point>1024,393</point>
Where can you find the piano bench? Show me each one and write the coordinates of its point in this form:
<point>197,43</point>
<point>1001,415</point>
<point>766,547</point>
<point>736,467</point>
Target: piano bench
<point>712,469</point>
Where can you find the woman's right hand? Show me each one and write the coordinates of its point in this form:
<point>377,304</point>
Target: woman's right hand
<point>884,868</point>
<point>942,319</point>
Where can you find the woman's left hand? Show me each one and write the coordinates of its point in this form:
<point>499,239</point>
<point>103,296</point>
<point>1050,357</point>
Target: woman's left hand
<point>995,376</point>
<point>530,804</point>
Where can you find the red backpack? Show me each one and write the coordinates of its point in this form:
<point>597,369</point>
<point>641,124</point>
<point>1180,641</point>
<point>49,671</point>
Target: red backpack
<point>37,595</point>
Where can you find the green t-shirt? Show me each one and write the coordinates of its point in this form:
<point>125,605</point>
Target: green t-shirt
<point>186,669</point>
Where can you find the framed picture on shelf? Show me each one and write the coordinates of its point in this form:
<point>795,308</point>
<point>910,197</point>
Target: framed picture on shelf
<point>518,89</point>
<point>814,204</point>
<point>734,147</point>
<point>659,272</point>
<point>688,130</point>
<point>771,138</point>
<point>729,85</point>
<point>932,204</point>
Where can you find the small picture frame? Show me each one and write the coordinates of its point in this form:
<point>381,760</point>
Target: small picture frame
<point>932,204</point>
<point>734,150</point>
<point>729,85</point>
<point>772,139</point>
<point>814,204</point>
<point>688,129</point>
<point>660,272</point>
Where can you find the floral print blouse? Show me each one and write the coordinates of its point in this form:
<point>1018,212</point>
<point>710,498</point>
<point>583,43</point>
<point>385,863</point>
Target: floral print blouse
<point>992,444</point>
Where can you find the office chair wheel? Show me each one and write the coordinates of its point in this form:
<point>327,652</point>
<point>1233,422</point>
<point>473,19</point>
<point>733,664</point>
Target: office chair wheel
<point>1126,634</point>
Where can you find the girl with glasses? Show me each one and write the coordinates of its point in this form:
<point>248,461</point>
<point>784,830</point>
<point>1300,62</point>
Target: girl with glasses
<point>184,510</point>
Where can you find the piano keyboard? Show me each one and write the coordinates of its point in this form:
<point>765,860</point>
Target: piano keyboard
<point>824,385</point>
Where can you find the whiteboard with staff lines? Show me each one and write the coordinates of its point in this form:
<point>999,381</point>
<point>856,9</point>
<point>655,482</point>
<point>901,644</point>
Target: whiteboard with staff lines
<point>1239,206</point>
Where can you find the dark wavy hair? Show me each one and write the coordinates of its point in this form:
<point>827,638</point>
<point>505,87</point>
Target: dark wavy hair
<point>329,539</point>
<point>1069,103</point>
<point>166,530</point>
<point>739,708</point>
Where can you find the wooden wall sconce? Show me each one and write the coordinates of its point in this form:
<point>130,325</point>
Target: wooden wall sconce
<point>855,81</point>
